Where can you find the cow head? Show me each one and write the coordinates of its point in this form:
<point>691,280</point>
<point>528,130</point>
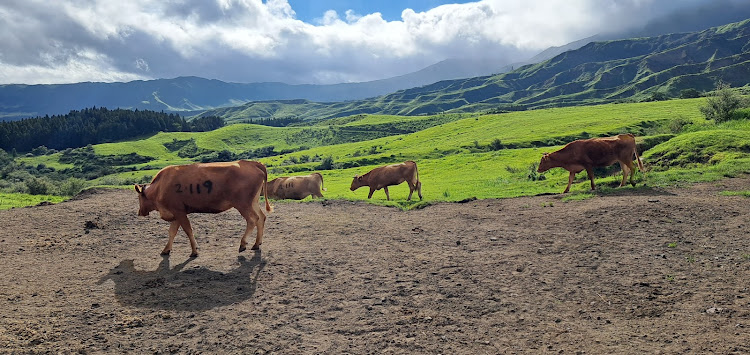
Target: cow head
<point>357,182</point>
<point>544,164</point>
<point>146,205</point>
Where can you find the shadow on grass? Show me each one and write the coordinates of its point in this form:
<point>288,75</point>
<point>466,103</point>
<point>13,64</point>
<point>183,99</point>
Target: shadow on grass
<point>195,289</point>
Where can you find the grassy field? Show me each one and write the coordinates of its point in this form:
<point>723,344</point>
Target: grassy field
<point>14,200</point>
<point>471,155</point>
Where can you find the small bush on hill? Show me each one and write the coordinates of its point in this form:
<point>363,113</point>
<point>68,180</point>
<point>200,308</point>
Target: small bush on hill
<point>38,186</point>
<point>496,144</point>
<point>326,163</point>
<point>72,186</point>
<point>533,174</point>
<point>721,106</point>
<point>678,124</point>
<point>689,94</point>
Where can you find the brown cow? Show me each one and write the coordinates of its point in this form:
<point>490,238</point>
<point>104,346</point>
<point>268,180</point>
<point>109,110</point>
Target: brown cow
<point>296,187</point>
<point>585,154</point>
<point>179,190</point>
<point>384,176</point>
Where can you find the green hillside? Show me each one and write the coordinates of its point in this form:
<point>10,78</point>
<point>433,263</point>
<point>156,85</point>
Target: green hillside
<point>631,70</point>
<point>460,156</point>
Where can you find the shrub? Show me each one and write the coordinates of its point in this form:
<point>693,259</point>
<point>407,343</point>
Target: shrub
<point>111,180</point>
<point>722,104</point>
<point>37,186</point>
<point>676,125</point>
<point>658,96</point>
<point>741,114</point>
<point>326,163</point>
<point>533,175</point>
<point>72,186</point>
<point>689,94</point>
<point>496,144</point>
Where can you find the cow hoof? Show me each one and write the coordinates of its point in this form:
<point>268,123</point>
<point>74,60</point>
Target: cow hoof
<point>242,248</point>
<point>194,255</point>
<point>165,252</point>
<point>255,247</point>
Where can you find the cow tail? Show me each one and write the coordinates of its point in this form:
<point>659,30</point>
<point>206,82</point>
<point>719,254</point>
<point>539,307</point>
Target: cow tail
<point>635,151</point>
<point>321,182</point>
<point>638,158</point>
<point>416,170</point>
<point>269,208</point>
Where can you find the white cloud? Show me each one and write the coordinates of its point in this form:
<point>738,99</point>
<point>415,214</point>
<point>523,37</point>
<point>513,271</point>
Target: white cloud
<point>88,66</point>
<point>253,40</point>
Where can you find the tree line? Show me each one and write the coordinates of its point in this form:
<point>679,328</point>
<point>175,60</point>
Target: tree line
<point>95,125</point>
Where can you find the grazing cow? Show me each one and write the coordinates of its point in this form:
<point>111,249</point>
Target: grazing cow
<point>296,187</point>
<point>585,154</point>
<point>384,176</point>
<point>179,190</point>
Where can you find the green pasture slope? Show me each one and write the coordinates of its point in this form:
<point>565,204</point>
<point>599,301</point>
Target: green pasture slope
<point>474,155</point>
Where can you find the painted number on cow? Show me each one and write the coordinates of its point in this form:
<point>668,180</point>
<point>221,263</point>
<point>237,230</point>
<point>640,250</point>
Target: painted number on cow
<point>205,187</point>
<point>289,185</point>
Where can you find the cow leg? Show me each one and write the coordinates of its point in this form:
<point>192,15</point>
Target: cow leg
<point>372,191</point>
<point>415,187</point>
<point>387,195</point>
<point>570,181</point>
<point>590,173</point>
<point>625,172</point>
<point>260,224</point>
<point>185,223</point>
<point>631,166</point>
<point>174,227</point>
<point>251,216</point>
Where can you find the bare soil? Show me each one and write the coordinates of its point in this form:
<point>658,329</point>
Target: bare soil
<point>637,271</point>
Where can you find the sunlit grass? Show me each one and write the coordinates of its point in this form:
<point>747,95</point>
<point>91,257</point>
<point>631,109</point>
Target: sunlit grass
<point>745,193</point>
<point>11,200</point>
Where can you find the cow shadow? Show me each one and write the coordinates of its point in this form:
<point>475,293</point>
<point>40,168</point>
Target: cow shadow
<point>194,289</point>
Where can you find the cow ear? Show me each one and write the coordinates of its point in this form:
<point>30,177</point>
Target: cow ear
<point>137,188</point>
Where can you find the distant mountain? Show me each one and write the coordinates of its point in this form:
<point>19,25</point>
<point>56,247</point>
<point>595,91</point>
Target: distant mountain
<point>189,94</point>
<point>599,72</point>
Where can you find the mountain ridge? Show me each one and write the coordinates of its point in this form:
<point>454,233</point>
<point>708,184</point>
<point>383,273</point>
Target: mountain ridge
<point>599,72</point>
<point>188,94</point>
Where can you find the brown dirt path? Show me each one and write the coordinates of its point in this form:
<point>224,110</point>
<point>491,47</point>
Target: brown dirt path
<point>662,270</point>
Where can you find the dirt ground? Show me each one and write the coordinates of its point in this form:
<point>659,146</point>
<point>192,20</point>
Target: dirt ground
<point>638,271</point>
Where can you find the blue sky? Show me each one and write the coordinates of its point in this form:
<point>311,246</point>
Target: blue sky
<point>297,41</point>
<point>310,10</point>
